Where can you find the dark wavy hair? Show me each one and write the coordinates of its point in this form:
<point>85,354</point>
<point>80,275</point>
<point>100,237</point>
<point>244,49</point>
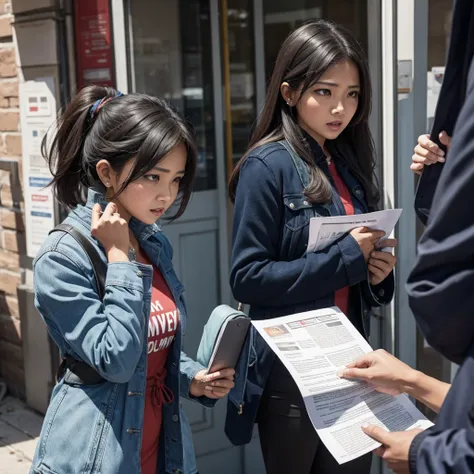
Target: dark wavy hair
<point>129,126</point>
<point>303,58</point>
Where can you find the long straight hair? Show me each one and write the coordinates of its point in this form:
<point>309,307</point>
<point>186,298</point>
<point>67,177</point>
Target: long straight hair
<point>134,126</point>
<point>304,57</point>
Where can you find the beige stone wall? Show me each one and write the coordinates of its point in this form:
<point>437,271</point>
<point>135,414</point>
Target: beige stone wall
<point>12,239</point>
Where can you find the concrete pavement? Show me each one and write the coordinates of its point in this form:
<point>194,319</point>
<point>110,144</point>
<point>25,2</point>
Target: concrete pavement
<point>19,431</point>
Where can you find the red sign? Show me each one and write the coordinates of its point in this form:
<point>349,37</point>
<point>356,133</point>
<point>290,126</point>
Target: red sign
<point>94,52</point>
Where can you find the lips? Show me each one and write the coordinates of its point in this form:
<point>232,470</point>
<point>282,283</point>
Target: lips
<point>335,126</point>
<point>157,212</point>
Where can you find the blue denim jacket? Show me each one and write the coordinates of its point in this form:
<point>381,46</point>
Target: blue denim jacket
<point>92,429</point>
<point>270,268</point>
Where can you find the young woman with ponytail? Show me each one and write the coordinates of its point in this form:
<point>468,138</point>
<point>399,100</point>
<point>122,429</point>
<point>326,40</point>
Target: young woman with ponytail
<point>310,155</point>
<point>119,163</point>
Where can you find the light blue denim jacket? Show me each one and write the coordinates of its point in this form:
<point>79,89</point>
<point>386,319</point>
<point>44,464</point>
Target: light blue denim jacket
<point>97,429</point>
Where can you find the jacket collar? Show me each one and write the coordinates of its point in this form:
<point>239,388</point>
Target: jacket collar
<point>316,150</point>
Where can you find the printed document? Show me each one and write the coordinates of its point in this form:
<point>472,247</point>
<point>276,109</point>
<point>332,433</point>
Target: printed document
<point>323,231</point>
<point>313,346</point>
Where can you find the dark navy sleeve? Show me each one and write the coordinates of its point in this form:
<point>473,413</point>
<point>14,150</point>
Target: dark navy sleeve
<point>441,284</point>
<point>257,276</point>
<point>442,452</point>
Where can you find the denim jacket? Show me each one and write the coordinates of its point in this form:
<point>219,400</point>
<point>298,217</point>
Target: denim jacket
<point>97,429</point>
<point>271,270</point>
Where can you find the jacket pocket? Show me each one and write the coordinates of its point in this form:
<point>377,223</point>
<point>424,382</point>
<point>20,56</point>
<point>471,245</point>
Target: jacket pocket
<point>298,211</point>
<point>77,434</point>
<point>42,469</point>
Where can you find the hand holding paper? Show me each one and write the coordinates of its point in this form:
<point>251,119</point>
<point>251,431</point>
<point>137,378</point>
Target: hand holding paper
<point>366,239</point>
<point>314,346</point>
<point>324,231</point>
<point>381,262</point>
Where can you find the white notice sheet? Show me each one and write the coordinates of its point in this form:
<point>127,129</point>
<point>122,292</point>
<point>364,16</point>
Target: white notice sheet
<point>314,346</point>
<point>323,231</point>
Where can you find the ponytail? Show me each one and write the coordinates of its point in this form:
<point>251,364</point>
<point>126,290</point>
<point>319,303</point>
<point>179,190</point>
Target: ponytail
<point>65,153</point>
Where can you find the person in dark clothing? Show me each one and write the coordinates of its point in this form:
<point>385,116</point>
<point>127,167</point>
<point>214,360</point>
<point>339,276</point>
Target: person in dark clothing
<point>441,284</point>
<point>310,155</point>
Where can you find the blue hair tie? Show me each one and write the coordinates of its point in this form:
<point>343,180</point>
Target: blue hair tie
<point>99,103</point>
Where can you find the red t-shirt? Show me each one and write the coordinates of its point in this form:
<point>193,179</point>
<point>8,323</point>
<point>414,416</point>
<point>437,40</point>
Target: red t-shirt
<point>163,325</point>
<point>342,295</point>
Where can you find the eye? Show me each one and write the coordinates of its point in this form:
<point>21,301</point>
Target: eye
<point>323,92</point>
<point>354,94</point>
<point>178,179</point>
<point>152,177</point>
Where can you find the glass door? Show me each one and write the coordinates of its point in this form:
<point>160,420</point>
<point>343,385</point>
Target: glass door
<point>173,52</point>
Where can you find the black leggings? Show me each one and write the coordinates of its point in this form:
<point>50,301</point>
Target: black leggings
<point>288,439</point>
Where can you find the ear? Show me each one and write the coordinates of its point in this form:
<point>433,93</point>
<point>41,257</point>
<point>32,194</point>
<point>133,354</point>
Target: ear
<point>106,173</point>
<point>287,94</point>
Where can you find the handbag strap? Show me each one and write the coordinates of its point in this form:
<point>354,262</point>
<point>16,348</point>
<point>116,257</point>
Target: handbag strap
<point>94,257</point>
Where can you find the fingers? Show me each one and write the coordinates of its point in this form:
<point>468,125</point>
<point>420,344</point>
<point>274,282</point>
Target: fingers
<point>375,235</point>
<point>96,210</point>
<point>379,451</point>
<point>417,168</point>
<point>378,273</point>
<point>220,374</point>
<point>445,139</point>
<point>360,230</point>
<point>424,143</point>
<point>222,383</point>
<point>363,361</point>
<point>426,156</point>
<point>110,210</point>
<point>388,243</point>
<point>377,433</point>
<point>381,259</point>
<point>356,373</point>
<point>209,392</point>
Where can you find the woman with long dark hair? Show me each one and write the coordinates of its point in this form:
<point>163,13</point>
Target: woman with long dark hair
<point>116,408</point>
<point>311,154</point>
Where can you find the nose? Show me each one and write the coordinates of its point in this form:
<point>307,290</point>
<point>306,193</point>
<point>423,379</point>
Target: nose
<point>164,194</point>
<point>338,109</point>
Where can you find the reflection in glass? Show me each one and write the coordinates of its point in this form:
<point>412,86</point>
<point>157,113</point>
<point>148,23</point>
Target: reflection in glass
<point>170,56</point>
<point>240,37</point>
<point>281,17</point>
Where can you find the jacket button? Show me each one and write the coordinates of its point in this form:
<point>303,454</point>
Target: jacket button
<point>292,206</point>
<point>306,203</point>
<point>175,418</point>
<point>139,274</point>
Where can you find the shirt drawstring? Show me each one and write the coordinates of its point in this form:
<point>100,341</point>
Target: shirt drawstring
<point>161,394</point>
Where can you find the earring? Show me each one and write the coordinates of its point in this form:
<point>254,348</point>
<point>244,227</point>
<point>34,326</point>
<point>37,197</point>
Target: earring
<point>289,102</point>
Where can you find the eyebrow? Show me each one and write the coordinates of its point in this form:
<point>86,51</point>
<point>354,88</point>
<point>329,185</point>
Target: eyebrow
<point>333,84</point>
<point>164,170</point>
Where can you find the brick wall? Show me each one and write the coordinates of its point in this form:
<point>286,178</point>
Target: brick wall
<point>12,239</point>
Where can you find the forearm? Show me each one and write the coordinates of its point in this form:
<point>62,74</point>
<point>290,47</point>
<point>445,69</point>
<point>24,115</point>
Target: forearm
<point>428,390</point>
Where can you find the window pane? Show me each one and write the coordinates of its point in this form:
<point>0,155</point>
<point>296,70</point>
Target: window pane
<point>281,17</point>
<point>241,73</point>
<point>171,57</point>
